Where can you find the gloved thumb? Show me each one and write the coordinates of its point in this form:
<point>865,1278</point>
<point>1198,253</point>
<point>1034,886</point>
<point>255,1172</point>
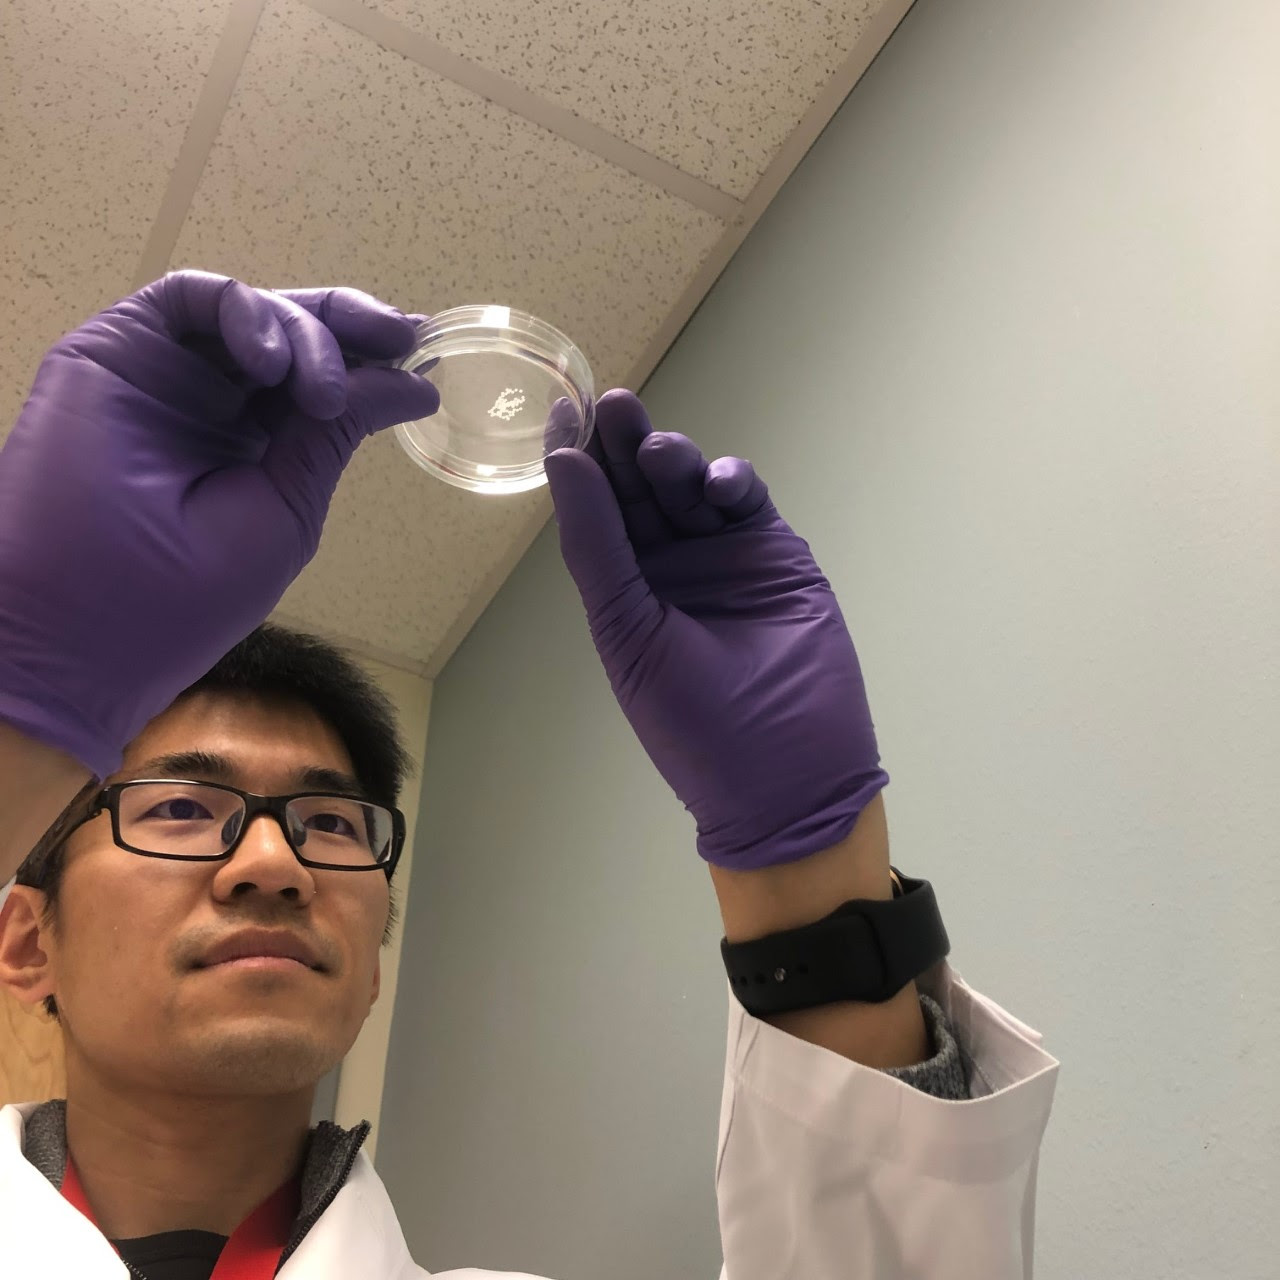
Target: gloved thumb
<point>378,398</point>
<point>306,456</point>
<point>594,543</point>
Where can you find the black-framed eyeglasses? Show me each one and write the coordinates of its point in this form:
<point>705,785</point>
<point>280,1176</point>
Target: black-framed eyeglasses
<point>188,821</point>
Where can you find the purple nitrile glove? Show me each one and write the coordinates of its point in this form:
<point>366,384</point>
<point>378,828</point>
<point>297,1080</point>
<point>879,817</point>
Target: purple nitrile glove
<point>722,640</point>
<point>166,480</point>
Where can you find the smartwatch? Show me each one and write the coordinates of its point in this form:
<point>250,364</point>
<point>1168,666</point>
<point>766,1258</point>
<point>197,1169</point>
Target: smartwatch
<point>864,950</point>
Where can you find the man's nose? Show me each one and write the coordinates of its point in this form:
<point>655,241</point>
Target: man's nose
<point>265,861</point>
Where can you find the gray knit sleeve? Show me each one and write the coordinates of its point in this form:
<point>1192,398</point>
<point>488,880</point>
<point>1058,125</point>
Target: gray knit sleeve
<point>942,1075</point>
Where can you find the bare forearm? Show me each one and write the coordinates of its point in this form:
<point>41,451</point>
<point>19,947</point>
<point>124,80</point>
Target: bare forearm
<point>756,903</point>
<point>36,783</point>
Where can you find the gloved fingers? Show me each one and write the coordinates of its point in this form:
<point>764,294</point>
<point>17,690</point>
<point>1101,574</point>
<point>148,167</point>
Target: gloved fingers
<point>202,310</point>
<point>305,457</point>
<point>253,336</point>
<point>317,379</point>
<point>363,325</point>
<point>381,398</point>
<point>165,340</point>
<point>594,542</point>
<point>735,488</point>
<point>622,426</point>
<point>677,474</point>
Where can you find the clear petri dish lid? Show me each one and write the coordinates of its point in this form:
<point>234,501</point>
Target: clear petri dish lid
<point>512,389</point>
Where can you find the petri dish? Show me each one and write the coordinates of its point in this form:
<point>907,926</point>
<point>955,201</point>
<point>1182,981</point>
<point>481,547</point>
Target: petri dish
<point>513,388</point>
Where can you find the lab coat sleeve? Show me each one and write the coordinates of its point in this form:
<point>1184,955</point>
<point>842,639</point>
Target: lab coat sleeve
<point>828,1170</point>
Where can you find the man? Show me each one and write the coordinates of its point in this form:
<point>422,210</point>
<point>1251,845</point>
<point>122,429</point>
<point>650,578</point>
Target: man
<point>205,920</point>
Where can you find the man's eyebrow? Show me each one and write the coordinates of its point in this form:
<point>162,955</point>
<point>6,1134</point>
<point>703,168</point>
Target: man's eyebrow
<point>209,766</point>
<point>201,765</point>
<point>320,779</point>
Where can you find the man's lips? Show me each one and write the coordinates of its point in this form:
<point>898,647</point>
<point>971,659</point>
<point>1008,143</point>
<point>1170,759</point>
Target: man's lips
<point>261,949</point>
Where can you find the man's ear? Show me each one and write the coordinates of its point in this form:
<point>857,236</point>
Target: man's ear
<point>377,980</point>
<point>25,969</point>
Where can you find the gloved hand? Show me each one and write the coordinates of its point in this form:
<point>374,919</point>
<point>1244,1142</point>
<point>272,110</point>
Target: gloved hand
<point>165,482</point>
<point>722,640</point>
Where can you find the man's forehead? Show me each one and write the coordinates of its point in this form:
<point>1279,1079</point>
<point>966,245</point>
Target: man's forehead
<point>230,738</point>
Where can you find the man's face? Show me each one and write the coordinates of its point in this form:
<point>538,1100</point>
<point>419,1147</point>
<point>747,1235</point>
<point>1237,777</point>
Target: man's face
<point>126,951</point>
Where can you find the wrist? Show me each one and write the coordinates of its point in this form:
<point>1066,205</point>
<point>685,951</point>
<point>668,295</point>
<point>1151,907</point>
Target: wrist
<point>754,904</point>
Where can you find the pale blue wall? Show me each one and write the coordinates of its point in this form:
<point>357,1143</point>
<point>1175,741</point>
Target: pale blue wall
<point>1007,349</point>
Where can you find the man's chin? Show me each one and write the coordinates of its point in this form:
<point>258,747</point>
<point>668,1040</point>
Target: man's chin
<point>260,1054</point>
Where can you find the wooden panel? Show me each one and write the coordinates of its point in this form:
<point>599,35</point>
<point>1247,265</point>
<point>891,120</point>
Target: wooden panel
<point>31,1064</point>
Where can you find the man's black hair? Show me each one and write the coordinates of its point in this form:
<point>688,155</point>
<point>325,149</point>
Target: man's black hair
<point>273,664</point>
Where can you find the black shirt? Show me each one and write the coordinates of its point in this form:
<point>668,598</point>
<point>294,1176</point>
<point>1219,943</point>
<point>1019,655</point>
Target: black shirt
<point>173,1255</point>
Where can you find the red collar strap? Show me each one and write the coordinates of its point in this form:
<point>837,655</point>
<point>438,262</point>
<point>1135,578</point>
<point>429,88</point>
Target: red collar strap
<point>254,1249</point>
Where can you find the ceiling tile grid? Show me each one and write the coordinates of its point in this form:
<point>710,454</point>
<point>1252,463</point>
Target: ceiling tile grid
<point>341,162</point>
<point>94,102</point>
<point>713,86</point>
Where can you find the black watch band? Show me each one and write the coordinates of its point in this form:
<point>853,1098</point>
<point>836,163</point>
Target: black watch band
<point>864,950</point>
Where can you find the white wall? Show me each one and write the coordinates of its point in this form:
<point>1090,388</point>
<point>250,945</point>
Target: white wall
<point>360,1078</point>
<point>1008,350</point>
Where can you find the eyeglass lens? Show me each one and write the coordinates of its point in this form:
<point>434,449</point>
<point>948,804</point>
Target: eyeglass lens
<point>197,820</point>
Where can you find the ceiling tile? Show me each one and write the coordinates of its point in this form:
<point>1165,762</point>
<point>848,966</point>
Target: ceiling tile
<point>403,556</point>
<point>95,96</point>
<point>713,88</point>
<point>339,162</point>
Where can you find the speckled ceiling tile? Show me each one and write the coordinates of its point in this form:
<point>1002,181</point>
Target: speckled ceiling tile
<point>95,96</point>
<point>712,87</point>
<point>339,162</point>
<point>404,556</point>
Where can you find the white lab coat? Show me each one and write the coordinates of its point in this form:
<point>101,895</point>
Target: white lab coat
<point>826,1170</point>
